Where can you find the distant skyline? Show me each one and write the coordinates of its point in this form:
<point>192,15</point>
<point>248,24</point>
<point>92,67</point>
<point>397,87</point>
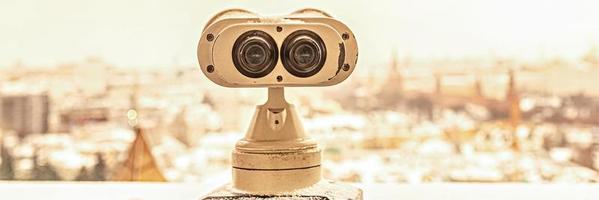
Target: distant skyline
<point>160,33</point>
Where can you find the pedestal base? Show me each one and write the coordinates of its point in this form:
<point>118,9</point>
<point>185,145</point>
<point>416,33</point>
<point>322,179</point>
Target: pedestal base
<point>324,190</point>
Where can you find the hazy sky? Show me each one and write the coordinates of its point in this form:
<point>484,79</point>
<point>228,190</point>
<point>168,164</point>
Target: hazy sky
<point>135,33</point>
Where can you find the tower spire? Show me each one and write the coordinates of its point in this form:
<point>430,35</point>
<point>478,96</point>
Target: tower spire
<point>140,164</point>
<point>395,77</point>
<point>394,61</point>
<point>513,99</point>
<point>478,87</point>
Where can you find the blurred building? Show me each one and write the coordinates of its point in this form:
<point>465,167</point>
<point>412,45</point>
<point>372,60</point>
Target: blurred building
<point>25,113</point>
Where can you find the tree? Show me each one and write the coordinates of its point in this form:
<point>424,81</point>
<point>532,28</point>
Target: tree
<point>7,167</point>
<point>180,128</point>
<point>83,175</point>
<point>45,172</point>
<point>99,172</point>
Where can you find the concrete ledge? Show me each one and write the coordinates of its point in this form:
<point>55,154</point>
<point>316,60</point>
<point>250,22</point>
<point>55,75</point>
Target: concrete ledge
<point>193,191</point>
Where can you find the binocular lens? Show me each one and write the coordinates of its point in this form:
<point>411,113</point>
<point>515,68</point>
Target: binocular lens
<point>303,53</point>
<point>255,54</point>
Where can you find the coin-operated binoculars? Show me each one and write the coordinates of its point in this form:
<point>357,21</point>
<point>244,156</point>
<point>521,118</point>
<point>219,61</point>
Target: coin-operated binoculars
<point>276,159</point>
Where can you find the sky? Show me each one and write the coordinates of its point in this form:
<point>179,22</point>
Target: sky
<point>150,33</point>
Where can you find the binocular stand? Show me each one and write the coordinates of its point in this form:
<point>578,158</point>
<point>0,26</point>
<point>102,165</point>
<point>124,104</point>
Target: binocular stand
<point>276,160</point>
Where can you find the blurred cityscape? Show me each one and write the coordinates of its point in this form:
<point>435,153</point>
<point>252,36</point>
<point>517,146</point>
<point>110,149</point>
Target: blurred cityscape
<point>481,120</point>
